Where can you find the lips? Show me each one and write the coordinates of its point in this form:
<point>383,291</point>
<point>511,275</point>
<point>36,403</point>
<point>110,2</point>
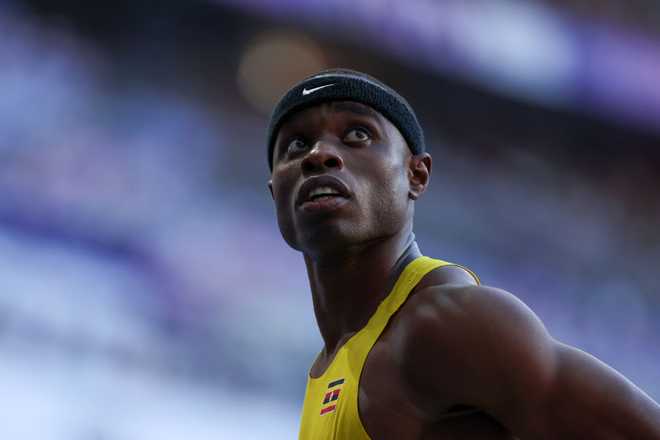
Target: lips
<point>315,191</point>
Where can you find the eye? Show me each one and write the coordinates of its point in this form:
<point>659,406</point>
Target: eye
<point>295,146</point>
<point>357,134</point>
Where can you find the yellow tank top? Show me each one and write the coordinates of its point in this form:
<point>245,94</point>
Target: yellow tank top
<point>330,410</point>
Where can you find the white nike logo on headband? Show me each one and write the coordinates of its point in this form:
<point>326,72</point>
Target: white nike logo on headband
<point>306,92</point>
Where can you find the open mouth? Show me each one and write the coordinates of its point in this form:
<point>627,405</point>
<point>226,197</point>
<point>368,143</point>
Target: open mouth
<point>323,203</point>
<point>322,193</point>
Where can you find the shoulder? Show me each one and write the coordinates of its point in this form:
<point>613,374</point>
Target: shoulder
<point>467,305</point>
<point>456,312</point>
<point>450,296</point>
<point>468,316</point>
<point>475,335</point>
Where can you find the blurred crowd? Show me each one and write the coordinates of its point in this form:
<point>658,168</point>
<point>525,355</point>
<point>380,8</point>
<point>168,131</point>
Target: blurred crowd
<point>641,15</point>
<point>144,289</point>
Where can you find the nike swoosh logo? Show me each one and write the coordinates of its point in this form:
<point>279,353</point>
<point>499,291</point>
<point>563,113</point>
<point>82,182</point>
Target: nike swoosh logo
<point>306,92</point>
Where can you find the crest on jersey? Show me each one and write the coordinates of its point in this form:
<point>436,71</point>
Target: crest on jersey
<point>331,396</point>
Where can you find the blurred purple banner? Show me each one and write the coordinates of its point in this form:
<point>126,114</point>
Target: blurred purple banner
<point>527,51</point>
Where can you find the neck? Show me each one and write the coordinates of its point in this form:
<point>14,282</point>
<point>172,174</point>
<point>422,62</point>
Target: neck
<point>347,288</point>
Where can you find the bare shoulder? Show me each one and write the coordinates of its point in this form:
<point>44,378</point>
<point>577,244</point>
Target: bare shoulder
<point>446,335</point>
<point>464,307</point>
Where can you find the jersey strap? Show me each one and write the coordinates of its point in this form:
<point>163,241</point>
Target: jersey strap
<point>330,410</point>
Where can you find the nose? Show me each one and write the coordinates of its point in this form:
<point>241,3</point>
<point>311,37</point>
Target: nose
<point>322,156</point>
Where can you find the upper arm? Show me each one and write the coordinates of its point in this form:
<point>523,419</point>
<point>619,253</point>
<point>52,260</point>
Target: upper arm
<point>483,347</point>
<point>588,396</point>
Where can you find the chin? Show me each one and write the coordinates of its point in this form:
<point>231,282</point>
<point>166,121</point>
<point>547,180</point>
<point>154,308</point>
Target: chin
<point>327,241</point>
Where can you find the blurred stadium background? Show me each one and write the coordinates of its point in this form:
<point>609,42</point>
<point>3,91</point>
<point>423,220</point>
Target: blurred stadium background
<point>145,292</point>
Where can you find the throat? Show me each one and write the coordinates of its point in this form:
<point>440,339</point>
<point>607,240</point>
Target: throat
<point>347,293</point>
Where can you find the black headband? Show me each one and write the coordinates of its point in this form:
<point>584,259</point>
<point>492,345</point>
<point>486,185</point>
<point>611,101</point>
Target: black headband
<point>347,85</point>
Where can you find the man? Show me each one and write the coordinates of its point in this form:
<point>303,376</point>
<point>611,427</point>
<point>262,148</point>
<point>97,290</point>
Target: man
<point>414,347</point>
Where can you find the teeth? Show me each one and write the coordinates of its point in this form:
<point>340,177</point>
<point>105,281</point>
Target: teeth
<point>322,190</point>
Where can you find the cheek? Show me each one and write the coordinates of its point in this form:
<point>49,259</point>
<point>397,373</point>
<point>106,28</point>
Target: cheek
<point>395,183</point>
<point>283,206</point>
<point>286,228</point>
<point>389,198</point>
<point>286,224</point>
<point>283,181</point>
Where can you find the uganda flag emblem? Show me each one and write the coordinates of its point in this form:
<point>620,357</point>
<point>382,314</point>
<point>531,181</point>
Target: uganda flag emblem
<point>331,396</point>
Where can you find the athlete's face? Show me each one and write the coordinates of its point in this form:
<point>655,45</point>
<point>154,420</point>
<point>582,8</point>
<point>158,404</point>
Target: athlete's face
<point>343,175</point>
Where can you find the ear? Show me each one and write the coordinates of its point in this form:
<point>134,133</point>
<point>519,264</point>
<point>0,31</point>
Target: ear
<point>419,173</point>
<point>270,187</point>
